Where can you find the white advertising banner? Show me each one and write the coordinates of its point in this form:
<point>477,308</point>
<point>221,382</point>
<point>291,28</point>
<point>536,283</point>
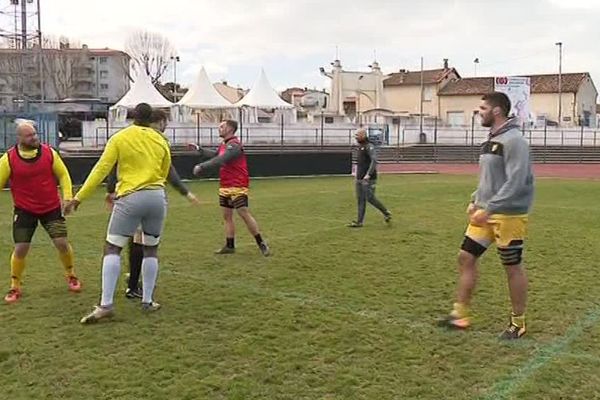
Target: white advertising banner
<point>518,90</point>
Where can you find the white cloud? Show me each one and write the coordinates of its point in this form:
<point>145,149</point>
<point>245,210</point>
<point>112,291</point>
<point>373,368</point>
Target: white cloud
<point>292,38</point>
<point>577,4</point>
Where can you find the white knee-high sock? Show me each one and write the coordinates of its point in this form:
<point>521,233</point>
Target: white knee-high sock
<point>149,275</point>
<point>111,269</point>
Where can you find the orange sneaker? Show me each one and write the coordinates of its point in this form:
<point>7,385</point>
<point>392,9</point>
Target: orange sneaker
<point>74,284</point>
<point>13,295</point>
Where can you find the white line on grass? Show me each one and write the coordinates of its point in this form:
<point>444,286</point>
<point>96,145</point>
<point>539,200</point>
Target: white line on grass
<point>298,298</point>
<point>504,388</point>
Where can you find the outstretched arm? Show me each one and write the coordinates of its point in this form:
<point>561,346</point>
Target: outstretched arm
<point>205,153</point>
<point>232,152</point>
<point>175,180</point>
<point>102,168</point>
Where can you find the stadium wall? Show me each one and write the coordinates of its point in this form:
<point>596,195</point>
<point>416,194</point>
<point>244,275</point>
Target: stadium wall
<point>260,165</point>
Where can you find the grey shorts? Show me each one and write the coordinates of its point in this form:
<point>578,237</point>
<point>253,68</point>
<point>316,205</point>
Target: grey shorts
<point>146,209</point>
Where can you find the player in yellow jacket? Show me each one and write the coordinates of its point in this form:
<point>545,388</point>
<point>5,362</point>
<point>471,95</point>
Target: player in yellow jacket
<point>143,160</point>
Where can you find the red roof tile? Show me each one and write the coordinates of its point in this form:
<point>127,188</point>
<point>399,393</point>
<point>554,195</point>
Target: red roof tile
<point>539,84</point>
<point>414,77</point>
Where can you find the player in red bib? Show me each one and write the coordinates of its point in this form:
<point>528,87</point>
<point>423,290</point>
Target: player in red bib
<point>234,184</point>
<point>33,170</point>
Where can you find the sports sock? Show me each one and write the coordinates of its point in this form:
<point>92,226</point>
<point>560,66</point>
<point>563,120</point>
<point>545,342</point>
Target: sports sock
<point>136,255</point>
<point>259,239</point>
<point>518,320</point>
<point>460,310</point>
<point>17,266</point>
<point>149,275</point>
<point>67,260</point>
<point>230,243</point>
<point>111,269</point>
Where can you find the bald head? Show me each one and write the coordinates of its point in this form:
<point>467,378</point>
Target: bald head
<point>27,135</point>
<point>361,135</point>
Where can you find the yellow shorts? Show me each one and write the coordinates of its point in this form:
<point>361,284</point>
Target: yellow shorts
<point>503,230</point>
<point>233,197</point>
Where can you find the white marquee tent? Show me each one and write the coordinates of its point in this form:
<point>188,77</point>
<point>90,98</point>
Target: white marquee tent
<point>203,94</point>
<point>202,98</point>
<point>141,91</point>
<point>263,96</point>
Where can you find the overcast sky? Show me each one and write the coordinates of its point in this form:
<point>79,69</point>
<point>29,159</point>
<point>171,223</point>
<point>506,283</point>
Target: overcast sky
<point>291,39</point>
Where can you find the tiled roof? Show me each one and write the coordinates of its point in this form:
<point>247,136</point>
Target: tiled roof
<point>414,77</point>
<point>539,84</point>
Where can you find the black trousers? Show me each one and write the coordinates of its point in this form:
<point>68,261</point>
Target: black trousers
<point>365,193</point>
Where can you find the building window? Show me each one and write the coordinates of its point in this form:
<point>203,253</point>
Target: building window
<point>329,120</point>
<point>103,74</point>
<point>428,92</point>
<point>103,60</point>
<point>104,86</point>
<point>455,118</point>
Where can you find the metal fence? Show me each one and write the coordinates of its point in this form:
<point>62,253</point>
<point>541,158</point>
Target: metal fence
<point>571,137</point>
<point>320,135</point>
<point>263,135</point>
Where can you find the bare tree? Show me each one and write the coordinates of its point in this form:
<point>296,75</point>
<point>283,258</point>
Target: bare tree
<point>168,90</point>
<point>62,66</point>
<point>61,70</point>
<point>10,71</point>
<point>150,52</point>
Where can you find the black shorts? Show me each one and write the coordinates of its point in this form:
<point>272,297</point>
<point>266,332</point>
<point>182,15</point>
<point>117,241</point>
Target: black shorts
<point>233,197</point>
<point>25,224</point>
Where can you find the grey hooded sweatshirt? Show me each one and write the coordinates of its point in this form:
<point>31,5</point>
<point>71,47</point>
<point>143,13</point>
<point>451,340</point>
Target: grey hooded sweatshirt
<point>505,176</point>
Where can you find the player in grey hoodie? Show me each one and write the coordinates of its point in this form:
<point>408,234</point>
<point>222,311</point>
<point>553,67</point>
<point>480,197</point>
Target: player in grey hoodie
<point>498,213</point>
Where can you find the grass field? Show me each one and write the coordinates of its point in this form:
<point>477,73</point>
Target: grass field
<point>334,314</point>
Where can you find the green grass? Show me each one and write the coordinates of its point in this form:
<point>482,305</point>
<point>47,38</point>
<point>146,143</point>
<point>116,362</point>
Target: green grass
<point>334,314</point>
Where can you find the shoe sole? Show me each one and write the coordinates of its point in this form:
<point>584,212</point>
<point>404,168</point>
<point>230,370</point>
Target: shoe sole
<point>453,327</point>
<point>93,319</point>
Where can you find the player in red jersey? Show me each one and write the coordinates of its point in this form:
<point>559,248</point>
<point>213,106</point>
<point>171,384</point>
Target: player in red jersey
<point>33,169</point>
<point>234,184</point>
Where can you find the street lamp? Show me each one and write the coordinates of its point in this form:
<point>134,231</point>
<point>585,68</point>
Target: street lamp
<point>421,102</point>
<point>475,63</point>
<point>559,44</point>
<point>175,61</point>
